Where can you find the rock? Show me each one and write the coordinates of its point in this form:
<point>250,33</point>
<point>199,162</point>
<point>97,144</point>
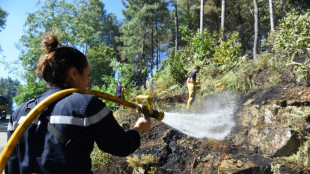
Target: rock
<point>140,170</point>
<point>207,158</point>
<point>268,116</point>
<point>239,163</point>
<point>250,101</point>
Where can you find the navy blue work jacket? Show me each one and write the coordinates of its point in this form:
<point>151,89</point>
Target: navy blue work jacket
<point>84,119</point>
<point>192,75</point>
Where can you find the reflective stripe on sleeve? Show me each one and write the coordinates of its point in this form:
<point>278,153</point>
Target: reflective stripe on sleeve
<point>12,126</point>
<point>68,120</point>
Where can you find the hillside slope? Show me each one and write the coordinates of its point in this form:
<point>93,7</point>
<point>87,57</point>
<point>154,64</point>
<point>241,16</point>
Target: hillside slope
<point>270,136</point>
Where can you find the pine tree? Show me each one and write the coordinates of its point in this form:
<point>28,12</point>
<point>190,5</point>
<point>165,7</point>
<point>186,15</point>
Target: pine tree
<point>141,35</point>
<point>3,15</point>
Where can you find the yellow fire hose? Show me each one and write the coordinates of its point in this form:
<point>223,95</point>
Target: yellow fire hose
<point>8,149</point>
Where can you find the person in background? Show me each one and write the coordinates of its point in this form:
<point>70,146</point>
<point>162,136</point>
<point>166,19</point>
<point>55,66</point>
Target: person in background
<point>191,83</point>
<point>120,90</point>
<point>62,138</point>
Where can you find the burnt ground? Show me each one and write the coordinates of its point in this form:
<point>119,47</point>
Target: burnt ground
<point>178,153</point>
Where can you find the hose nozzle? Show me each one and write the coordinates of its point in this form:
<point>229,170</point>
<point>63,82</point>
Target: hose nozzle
<point>147,110</point>
<point>158,115</point>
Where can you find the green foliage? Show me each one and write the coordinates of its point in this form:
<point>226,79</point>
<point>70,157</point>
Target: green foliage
<point>242,74</point>
<point>203,45</point>
<point>233,79</point>
<point>300,118</point>
<point>251,74</point>
<point>188,12</point>
<point>302,71</point>
<point>3,15</point>
<point>206,50</point>
<point>97,57</point>
<point>227,51</point>
<point>31,53</point>
<point>109,88</point>
<point>81,24</point>
<point>176,70</point>
<point>100,158</point>
<point>239,17</point>
<point>163,80</point>
<point>29,91</point>
<point>199,51</point>
<point>147,162</point>
<point>126,71</point>
<point>146,25</point>
<point>292,37</point>
<point>130,93</point>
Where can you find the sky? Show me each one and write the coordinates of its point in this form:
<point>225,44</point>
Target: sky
<point>9,37</point>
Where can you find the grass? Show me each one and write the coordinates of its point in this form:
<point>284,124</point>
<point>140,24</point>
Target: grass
<point>100,158</point>
<point>147,163</point>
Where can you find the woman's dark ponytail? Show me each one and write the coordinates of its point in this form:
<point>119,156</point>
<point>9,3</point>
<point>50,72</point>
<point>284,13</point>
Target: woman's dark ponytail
<point>54,64</point>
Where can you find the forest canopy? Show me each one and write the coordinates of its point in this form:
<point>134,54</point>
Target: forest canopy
<point>162,39</point>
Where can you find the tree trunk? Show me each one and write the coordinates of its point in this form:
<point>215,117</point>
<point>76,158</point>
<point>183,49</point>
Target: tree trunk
<point>271,16</point>
<point>157,46</point>
<point>223,15</point>
<point>143,81</point>
<point>143,47</point>
<point>152,52</point>
<point>176,23</point>
<point>255,29</point>
<point>188,15</point>
<point>201,16</point>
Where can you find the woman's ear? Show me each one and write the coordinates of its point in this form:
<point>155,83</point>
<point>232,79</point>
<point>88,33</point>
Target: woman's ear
<point>72,75</point>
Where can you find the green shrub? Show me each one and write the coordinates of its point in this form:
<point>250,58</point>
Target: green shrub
<point>108,89</point>
<point>147,162</point>
<point>301,70</point>
<point>100,158</point>
<point>292,37</point>
<point>30,91</point>
<point>227,51</point>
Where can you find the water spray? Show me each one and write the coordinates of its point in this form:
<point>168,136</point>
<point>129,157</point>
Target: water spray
<point>214,121</point>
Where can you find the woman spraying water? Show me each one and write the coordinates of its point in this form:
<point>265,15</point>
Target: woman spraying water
<point>62,138</point>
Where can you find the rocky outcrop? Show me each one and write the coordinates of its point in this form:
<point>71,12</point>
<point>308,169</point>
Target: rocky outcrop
<point>269,125</point>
